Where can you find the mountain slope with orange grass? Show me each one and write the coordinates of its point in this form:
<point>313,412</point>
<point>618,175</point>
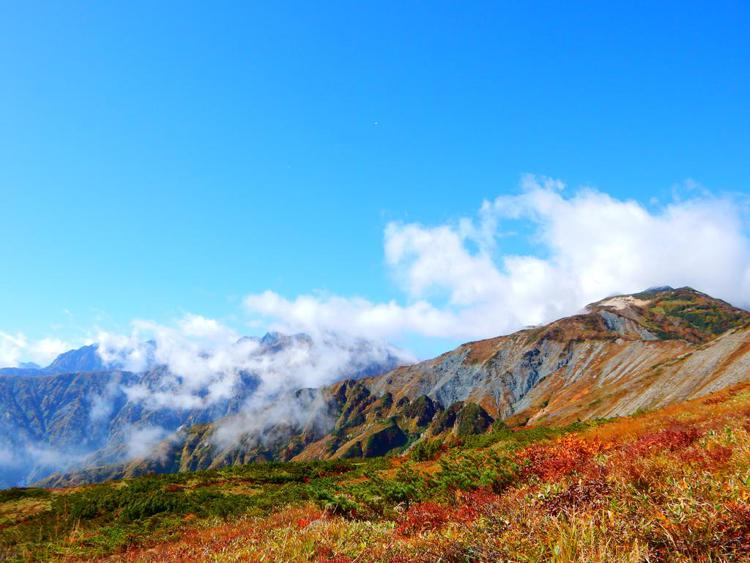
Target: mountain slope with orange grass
<point>668,485</point>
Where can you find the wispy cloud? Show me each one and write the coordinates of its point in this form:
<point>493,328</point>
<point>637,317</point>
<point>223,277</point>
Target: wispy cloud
<point>15,348</point>
<point>204,360</point>
<point>195,369</point>
<point>459,282</point>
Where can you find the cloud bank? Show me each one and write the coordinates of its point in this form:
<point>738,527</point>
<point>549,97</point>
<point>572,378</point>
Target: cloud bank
<point>522,259</point>
<point>16,347</point>
<point>160,378</point>
<point>459,281</point>
<point>202,361</point>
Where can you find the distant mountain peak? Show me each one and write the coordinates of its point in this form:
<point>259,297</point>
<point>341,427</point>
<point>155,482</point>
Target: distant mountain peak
<point>83,359</point>
<point>277,341</point>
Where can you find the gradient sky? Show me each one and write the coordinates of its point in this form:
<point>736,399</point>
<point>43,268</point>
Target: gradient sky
<point>173,157</point>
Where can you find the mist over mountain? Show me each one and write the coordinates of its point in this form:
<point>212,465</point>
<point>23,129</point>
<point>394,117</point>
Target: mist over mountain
<point>88,407</point>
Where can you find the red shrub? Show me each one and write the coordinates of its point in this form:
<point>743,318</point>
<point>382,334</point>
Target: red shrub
<point>422,517</point>
<point>711,458</point>
<point>584,493</point>
<point>325,554</point>
<point>735,528</point>
<point>720,455</point>
<point>425,516</point>
<point>552,461</point>
<point>670,439</point>
<point>475,504</point>
<point>303,522</point>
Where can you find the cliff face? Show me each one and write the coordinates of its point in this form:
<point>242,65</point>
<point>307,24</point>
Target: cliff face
<point>620,355</point>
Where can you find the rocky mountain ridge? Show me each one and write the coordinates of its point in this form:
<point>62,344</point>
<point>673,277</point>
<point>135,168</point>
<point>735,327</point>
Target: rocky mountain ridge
<point>621,354</point>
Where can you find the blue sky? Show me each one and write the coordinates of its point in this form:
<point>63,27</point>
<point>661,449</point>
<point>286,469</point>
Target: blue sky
<point>158,160</point>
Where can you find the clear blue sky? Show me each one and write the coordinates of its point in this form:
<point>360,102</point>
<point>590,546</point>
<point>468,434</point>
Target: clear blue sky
<point>161,157</point>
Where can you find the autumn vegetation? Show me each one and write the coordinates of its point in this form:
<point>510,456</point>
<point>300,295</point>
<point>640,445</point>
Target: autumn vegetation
<point>668,485</point>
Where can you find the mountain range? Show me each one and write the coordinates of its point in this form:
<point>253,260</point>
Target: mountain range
<point>81,411</point>
<point>621,355</point>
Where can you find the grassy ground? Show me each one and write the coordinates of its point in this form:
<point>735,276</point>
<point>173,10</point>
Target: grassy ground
<point>667,485</point>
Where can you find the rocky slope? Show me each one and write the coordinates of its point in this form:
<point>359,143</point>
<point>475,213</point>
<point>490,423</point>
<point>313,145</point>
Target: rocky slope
<point>620,355</point>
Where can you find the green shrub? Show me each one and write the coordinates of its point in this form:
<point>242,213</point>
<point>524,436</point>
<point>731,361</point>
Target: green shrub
<point>17,493</point>
<point>472,470</point>
<point>426,450</point>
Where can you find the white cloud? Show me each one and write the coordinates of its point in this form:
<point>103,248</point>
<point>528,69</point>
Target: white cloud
<point>356,316</point>
<point>15,348</point>
<point>11,348</point>
<point>140,442</point>
<point>459,284</point>
<point>205,360</point>
<point>45,350</point>
<point>8,458</point>
<point>197,325</point>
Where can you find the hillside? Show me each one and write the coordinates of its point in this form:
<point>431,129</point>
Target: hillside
<point>621,355</point>
<point>671,484</point>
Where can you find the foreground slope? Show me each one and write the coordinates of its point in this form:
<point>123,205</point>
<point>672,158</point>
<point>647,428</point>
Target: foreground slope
<point>672,484</point>
<point>621,355</point>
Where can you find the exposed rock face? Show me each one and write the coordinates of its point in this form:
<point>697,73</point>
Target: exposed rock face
<point>621,354</point>
<point>422,410</point>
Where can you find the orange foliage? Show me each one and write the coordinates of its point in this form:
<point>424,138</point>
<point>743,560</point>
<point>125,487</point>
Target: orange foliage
<point>326,555</point>
<point>428,516</point>
<point>595,472</point>
<point>712,458</point>
<point>676,436</point>
<point>549,462</point>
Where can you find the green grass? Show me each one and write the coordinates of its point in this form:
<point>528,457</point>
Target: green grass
<point>108,517</point>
